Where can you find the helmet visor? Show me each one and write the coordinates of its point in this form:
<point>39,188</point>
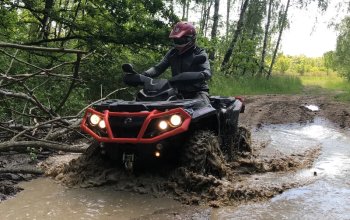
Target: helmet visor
<point>182,40</point>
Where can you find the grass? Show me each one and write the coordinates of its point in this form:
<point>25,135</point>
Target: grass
<point>229,86</point>
<point>329,84</point>
<point>336,85</point>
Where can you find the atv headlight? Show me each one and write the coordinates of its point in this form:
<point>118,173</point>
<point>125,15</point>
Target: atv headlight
<point>175,120</point>
<point>163,125</point>
<point>94,119</point>
<point>102,124</point>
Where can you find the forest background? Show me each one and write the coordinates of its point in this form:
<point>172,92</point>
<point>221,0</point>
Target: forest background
<point>87,41</point>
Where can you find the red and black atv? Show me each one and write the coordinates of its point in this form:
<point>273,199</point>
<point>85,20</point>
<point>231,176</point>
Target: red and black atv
<point>159,124</point>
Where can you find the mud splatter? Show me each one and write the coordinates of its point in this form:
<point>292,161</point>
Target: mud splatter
<point>185,185</point>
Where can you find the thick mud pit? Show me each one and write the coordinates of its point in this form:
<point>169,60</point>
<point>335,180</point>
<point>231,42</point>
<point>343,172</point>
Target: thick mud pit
<point>286,140</point>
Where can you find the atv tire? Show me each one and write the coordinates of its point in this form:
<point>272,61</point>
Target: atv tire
<point>111,152</point>
<point>242,141</point>
<point>202,154</point>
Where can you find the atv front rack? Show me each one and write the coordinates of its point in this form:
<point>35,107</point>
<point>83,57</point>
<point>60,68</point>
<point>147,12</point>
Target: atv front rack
<point>134,127</point>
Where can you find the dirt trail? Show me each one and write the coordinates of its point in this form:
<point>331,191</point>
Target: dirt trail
<point>281,109</point>
<point>232,189</point>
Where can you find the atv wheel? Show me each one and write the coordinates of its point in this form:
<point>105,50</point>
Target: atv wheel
<point>202,154</point>
<point>93,149</point>
<point>112,152</point>
<point>242,141</point>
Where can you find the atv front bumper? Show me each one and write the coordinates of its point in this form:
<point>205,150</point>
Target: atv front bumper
<point>134,127</point>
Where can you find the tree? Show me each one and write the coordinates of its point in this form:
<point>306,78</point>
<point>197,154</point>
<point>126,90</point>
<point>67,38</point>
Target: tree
<point>328,60</point>
<point>283,63</point>
<point>283,22</point>
<point>266,36</point>
<point>342,52</point>
<point>214,28</point>
<point>235,35</point>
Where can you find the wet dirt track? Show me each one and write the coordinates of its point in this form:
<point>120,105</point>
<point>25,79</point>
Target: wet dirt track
<point>287,139</point>
<point>327,197</point>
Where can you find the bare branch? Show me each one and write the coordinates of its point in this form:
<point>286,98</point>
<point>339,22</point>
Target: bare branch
<point>19,145</point>
<point>38,126</point>
<point>21,61</point>
<point>75,77</point>
<point>25,47</point>
<point>10,66</point>
<point>104,98</point>
<point>24,96</point>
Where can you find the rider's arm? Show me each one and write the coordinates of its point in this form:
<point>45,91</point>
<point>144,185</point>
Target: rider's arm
<point>205,67</point>
<point>160,67</point>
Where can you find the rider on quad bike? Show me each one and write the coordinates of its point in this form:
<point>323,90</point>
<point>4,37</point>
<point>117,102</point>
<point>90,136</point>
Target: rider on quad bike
<point>181,59</point>
<point>169,119</point>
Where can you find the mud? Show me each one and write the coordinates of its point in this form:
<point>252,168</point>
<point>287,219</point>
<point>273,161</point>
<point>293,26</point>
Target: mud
<point>282,109</point>
<point>188,187</point>
<point>15,161</point>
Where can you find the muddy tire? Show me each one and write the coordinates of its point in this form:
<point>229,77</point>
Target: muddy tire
<point>93,150</point>
<point>111,152</point>
<point>242,141</point>
<point>202,154</point>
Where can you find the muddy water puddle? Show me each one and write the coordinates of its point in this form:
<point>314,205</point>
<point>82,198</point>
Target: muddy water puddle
<point>326,194</point>
<point>45,199</point>
<point>328,197</point>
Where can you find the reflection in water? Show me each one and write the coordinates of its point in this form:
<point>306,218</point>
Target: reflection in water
<point>45,199</point>
<point>313,108</point>
<point>327,198</point>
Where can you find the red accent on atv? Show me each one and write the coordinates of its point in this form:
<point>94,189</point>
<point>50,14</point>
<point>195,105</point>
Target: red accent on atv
<point>134,127</point>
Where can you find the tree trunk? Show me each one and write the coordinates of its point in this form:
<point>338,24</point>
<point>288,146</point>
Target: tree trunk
<point>172,6</point>
<point>283,24</point>
<point>228,17</point>
<point>267,28</point>
<point>214,30</point>
<point>207,18</point>
<point>187,8</point>
<point>235,36</point>
<point>45,22</point>
<point>203,16</point>
<point>183,9</point>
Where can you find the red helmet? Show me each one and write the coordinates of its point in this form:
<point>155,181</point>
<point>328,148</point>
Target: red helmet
<point>184,36</point>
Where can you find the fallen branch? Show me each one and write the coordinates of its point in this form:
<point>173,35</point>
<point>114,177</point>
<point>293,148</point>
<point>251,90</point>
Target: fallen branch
<point>46,49</point>
<point>24,96</point>
<point>20,145</point>
<point>35,127</point>
<point>104,98</point>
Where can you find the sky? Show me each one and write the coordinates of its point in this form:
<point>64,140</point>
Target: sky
<point>309,33</point>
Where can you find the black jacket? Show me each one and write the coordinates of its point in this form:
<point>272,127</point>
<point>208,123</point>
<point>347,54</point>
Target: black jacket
<point>184,63</point>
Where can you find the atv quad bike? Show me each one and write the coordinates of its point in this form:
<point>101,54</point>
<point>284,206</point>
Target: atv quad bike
<point>160,124</point>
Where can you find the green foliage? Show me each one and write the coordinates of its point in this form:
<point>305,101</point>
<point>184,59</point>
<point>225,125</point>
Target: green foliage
<point>342,53</point>
<point>229,86</point>
<point>116,31</point>
<point>245,58</point>
<point>33,153</point>
<point>125,31</point>
<point>282,64</point>
<point>329,61</point>
<point>302,65</point>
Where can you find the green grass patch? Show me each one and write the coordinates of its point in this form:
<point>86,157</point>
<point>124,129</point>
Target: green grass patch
<point>331,82</point>
<point>325,84</point>
<point>230,86</point>
<point>339,86</point>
